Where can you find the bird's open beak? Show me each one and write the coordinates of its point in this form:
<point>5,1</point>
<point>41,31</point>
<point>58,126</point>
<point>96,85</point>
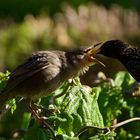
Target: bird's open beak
<point>96,47</point>
<point>93,50</point>
<point>98,61</point>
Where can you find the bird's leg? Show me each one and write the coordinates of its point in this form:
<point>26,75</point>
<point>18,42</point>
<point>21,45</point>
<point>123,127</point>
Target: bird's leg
<point>42,119</point>
<point>30,107</point>
<point>43,110</point>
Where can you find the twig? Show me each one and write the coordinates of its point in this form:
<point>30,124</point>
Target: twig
<point>37,117</point>
<point>106,129</point>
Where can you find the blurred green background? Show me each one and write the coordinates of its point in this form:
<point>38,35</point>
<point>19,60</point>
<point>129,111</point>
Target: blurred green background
<point>28,26</point>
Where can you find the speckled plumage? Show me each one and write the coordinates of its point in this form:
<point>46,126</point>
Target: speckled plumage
<point>129,56</point>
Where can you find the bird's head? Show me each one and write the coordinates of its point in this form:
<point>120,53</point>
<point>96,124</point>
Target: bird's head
<point>83,56</point>
<point>111,48</point>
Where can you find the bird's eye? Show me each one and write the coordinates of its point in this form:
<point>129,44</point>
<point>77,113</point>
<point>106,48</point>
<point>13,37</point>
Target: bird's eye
<point>87,50</point>
<point>80,56</point>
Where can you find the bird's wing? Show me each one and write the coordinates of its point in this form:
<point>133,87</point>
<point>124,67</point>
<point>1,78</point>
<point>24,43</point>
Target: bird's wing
<point>136,73</point>
<point>133,67</point>
<point>37,62</point>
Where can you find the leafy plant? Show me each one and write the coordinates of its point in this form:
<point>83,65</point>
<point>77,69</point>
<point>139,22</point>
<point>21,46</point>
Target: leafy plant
<point>80,113</point>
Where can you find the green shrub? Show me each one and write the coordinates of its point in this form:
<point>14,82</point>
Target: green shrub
<point>79,107</point>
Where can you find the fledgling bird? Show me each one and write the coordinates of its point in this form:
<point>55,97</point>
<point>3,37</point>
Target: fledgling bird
<point>129,56</point>
<point>45,71</point>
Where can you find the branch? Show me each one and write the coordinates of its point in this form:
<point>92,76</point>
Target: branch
<point>107,129</point>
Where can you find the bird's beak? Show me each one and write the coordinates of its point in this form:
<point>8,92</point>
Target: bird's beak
<point>93,50</point>
<point>98,61</point>
<point>96,47</point>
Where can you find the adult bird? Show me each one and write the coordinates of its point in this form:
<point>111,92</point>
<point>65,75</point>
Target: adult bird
<point>129,56</point>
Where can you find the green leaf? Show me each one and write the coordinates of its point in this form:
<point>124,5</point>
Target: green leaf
<point>3,79</point>
<point>36,133</point>
<point>65,137</point>
<point>78,108</point>
<point>123,79</point>
<point>2,138</point>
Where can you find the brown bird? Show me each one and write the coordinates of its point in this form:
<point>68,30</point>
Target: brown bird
<point>129,56</point>
<point>45,71</point>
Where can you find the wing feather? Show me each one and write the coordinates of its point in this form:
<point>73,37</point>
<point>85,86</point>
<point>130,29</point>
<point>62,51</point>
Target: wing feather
<point>36,63</point>
<point>133,66</point>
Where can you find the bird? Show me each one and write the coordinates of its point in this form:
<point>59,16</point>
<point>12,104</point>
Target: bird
<point>45,71</point>
<point>128,55</point>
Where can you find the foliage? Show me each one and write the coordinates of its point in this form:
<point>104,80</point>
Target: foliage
<point>79,107</point>
<point>3,79</point>
<point>19,9</point>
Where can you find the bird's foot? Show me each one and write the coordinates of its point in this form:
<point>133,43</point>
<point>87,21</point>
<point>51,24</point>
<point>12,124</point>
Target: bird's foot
<point>40,119</point>
<point>43,120</point>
